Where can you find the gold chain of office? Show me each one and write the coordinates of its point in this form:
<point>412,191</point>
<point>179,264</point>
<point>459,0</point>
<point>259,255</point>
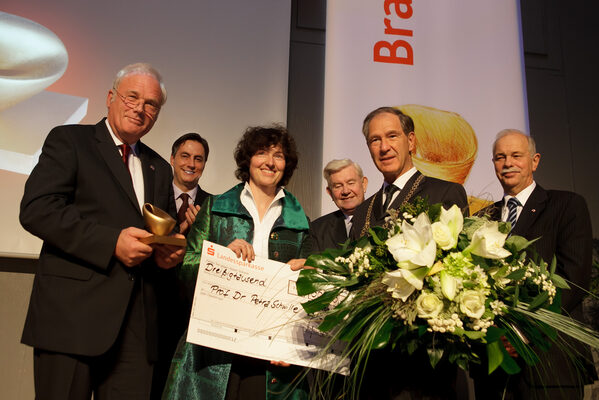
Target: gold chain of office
<point>366,226</point>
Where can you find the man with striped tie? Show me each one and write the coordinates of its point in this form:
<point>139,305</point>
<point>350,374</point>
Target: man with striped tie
<point>561,221</point>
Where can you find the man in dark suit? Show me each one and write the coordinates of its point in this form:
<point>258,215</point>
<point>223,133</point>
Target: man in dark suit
<point>561,221</point>
<point>92,313</point>
<point>189,155</point>
<point>346,184</point>
<point>390,138</point>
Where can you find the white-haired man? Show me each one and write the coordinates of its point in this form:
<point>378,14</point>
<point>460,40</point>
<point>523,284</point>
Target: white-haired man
<point>561,222</point>
<point>346,184</point>
<point>92,315</point>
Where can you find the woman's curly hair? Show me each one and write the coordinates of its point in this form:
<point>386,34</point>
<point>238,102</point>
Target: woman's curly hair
<point>258,138</point>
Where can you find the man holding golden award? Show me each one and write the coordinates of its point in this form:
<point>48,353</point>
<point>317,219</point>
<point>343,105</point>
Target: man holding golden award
<point>92,315</point>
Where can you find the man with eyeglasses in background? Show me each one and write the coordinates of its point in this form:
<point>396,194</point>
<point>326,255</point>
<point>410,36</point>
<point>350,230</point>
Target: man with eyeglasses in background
<point>92,316</point>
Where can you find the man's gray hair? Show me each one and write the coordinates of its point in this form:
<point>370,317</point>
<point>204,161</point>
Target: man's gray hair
<point>532,147</point>
<point>140,69</point>
<point>337,165</point>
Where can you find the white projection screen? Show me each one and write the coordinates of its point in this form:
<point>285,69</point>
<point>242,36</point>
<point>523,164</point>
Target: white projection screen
<point>225,65</point>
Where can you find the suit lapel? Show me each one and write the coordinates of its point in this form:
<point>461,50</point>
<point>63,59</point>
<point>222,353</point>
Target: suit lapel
<point>113,160</point>
<point>338,230</point>
<point>405,190</point>
<point>530,212</point>
<point>149,171</point>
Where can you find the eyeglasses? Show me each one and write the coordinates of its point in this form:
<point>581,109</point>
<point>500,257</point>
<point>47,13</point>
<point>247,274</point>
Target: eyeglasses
<point>132,101</point>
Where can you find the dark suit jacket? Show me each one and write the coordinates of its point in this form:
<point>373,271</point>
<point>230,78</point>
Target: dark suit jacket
<point>561,220</point>
<point>201,195</point>
<point>77,200</point>
<point>435,190</point>
<point>328,231</point>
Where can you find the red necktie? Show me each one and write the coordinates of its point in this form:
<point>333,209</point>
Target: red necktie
<point>125,151</point>
<point>184,206</point>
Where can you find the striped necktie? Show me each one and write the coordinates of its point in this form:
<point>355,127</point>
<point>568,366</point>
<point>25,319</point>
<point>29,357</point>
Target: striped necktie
<point>512,216</point>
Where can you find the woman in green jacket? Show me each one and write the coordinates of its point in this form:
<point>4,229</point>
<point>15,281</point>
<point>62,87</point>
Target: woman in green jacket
<point>255,218</point>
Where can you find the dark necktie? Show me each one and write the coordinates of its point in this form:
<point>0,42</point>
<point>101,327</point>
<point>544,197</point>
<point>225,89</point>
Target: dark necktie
<point>125,151</point>
<point>389,191</point>
<point>512,206</point>
<point>184,206</point>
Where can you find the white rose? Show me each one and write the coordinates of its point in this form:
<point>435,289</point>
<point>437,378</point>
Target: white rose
<point>442,236</point>
<point>428,305</point>
<point>472,303</point>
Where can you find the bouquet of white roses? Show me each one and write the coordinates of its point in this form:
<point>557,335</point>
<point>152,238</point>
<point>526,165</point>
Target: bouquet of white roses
<point>432,279</point>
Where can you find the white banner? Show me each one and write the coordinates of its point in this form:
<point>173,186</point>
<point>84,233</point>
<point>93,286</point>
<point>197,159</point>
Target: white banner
<point>454,66</point>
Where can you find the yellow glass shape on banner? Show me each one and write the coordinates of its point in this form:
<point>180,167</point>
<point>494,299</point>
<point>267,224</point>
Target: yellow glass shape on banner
<point>446,146</point>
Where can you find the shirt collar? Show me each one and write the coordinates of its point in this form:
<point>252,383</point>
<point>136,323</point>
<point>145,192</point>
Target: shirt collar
<point>522,196</point>
<point>247,192</point>
<point>119,142</point>
<point>401,181</point>
<point>192,193</point>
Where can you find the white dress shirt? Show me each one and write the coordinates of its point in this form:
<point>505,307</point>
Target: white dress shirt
<point>262,228</point>
<point>134,164</point>
<point>400,183</point>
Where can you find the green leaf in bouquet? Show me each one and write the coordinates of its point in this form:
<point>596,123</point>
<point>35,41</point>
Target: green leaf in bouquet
<point>517,274</point>
<point>504,227</point>
<point>494,334</point>
<point>435,354</point>
<point>333,319</point>
<point>325,263</point>
<point>463,241</point>
<point>321,302</point>
<point>434,212</point>
<point>553,265</point>
<point>538,301</point>
<point>312,280</point>
<point>523,350</point>
<point>474,335</point>
<point>516,244</point>
<point>559,282</point>
<point>494,355</point>
<point>471,224</point>
<point>378,234</point>
<point>381,339</point>
<point>484,263</point>
<point>412,346</point>
<point>364,314</point>
<point>509,365</point>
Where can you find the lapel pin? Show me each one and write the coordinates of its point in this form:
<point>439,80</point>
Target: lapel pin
<point>151,167</point>
<point>534,210</point>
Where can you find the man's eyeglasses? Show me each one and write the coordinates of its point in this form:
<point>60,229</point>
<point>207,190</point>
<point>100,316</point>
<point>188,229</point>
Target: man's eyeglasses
<point>132,101</point>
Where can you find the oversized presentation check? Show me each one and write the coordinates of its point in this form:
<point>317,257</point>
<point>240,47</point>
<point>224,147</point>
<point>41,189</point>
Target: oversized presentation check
<point>253,309</point>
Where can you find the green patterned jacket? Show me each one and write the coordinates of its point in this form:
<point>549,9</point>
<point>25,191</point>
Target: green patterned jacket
<point>197,372</point>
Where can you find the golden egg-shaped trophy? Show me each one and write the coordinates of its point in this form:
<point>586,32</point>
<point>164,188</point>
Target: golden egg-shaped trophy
<point>161,224</point>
